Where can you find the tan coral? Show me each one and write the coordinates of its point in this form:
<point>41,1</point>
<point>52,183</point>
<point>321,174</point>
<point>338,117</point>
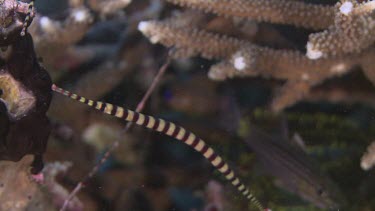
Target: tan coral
<point>107,7</point>
<point>243,59</point>
<point>46,30</point>
<point>275,11</point>
<point>299,72</point>
<point>188,41</point>
<point>102,7</point>
<point>352,32</point>
<point>253,60</point>
<point>54,38</point>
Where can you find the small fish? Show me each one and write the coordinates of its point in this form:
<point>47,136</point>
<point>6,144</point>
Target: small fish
<point>293,168</point>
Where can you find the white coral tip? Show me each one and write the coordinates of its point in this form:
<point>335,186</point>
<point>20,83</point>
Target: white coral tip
<point>339,68</point>
<point>80,15</point>
<point>312,53</point>
<point>365,166</point>
<point>143,26</point>
<point>346,8</point>
<point>45,22</point>
<point>239,63</point>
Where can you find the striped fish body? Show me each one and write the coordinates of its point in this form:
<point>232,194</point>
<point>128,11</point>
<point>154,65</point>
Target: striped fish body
<point>170,129</point>
<point>29,17</point>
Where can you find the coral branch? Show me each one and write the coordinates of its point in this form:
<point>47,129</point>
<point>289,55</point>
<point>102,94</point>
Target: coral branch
<point>106,7</point>
<point>189,42</point>
<point>254,60</point>
<point>243,59</point>
<point>73,28</point>
<point>300,72</point>
<point>53,38</point>
<point>352,32</point>
<point>275,11</point>
<point>102,7</point>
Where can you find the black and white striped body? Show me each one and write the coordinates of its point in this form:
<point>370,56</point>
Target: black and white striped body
<point>28,19</point>
<point>172,130</point>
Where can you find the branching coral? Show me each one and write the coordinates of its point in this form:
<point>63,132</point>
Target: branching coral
<point>54,38</point>
<point>242,58</point>
<point>189,42</point>
<point>274,11</point>
<point>103,7</point>
<point>107,7</point>
<point>46,31</point>
<point>344,44</point>
<point>56,43</point>
<point>352,32</point>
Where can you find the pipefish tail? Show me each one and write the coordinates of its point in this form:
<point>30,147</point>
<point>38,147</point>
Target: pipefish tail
<point>170,129</point>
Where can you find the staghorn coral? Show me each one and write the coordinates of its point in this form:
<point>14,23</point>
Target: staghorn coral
<point>93,90</point>
<point>274,11</point>
<point>103,7</point>
<point>283,76</point>
<point>344,44</point>
<point>112,75</point>
<point>46,31</point>
<point>55,38</point>
<point>56,43</point>
<point>242,58</point>
<point>185,42</point>
<point>107,7</point>
<point>352,32</point>
<point>121,77</point>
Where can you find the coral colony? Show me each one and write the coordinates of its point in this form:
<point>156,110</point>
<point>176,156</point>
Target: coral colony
<point>44,98</point>
<point>348,32</point>
<point>96,48</point>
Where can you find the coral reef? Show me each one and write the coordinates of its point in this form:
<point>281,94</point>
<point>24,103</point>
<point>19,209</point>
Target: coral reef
<point>225,63</point>
<point>352,31</point>
<point>344,43</point>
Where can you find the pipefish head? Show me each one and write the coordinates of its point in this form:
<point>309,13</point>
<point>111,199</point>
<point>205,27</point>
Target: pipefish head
<point>15,17</point>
